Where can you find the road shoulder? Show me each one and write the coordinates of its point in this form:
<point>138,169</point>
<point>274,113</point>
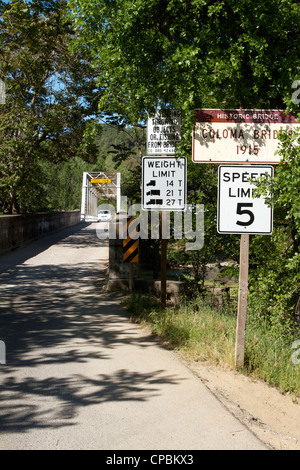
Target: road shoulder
<point>273,417</point>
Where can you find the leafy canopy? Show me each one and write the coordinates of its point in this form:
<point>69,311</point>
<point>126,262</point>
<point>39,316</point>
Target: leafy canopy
<point>50,94</point>
<point>191,53</point>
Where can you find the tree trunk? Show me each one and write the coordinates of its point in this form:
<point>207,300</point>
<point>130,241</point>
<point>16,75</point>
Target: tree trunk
<point>156,259</point>
<point>13,203</point>
<point>297,311</point>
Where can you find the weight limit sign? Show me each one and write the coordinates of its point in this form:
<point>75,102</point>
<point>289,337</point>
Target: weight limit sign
<point>239,211</point>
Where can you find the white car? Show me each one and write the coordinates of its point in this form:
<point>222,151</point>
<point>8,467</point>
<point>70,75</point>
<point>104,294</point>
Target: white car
<point>90,218</point>
<point>104,216</point>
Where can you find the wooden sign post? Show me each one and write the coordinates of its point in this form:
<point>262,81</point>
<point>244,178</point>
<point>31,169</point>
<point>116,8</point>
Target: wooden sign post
<point>240,213</point>
<point>247,141</point>
<point>164,189</point>
<point>163,177</point>
<point>242,302</point>
<point>164,244</point>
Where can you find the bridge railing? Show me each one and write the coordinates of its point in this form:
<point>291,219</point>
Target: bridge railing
<point>18,230</point>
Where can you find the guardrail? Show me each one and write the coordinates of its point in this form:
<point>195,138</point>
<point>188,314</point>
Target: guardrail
<point>20,229</point>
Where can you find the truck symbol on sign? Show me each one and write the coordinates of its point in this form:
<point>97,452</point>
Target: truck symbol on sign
<point>151,183</point>
<point>157,202</point>
<point>154,192</point>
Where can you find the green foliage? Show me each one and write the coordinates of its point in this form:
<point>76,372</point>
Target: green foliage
<point>198,53</point>
<point>56,186</point>
<point>275,261</point>
<point>63,183</point>
<point>269,351</point>
<point>202,334</point>
<point>120,149</point>
<point>50,93</point>
<point>189,54</point>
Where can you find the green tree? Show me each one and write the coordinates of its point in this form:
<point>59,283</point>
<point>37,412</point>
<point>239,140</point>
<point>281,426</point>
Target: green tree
<point>120,149</point>
<point>191,53</point>
<point>50,94</point>
<point>278,280</point>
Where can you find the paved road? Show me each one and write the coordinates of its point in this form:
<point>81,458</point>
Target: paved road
<point>79,375</point>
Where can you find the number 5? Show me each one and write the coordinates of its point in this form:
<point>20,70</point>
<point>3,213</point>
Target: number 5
<point>241,211</point>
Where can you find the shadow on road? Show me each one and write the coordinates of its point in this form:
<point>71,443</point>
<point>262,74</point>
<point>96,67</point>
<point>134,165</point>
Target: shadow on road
<point>71,394</point>
<point>80,234</point>
<point>55,321</point>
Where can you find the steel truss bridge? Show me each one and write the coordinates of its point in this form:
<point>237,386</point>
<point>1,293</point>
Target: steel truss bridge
<point>98,186</point>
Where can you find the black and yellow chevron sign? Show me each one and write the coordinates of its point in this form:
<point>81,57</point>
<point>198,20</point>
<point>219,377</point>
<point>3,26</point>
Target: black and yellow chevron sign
<point>130,246</point>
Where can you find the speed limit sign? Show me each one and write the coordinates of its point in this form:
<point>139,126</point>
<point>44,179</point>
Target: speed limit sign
<point>239,212</point>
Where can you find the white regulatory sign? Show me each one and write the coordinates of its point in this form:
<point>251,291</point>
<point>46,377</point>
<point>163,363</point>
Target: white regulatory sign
<point>238,211</point>
<point>164,183</point>
<point>163,133</point>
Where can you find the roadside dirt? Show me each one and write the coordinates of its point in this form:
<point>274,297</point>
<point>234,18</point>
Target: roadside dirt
<point>273,417</point>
